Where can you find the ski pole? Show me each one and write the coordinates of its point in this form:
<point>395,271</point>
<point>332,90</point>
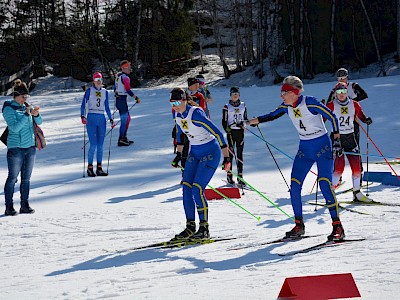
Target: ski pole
<point>265,198</point>
<point>367,158</point>
<point>109,149</point>
<point>376,147</point>
<point>276,163</point>
<point>372,155</point>
<point>274,147</point>
<point>232,151</point>
<point>229,199</point>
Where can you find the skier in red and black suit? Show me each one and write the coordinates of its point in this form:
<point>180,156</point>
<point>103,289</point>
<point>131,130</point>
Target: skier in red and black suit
<point>197,96</point>
<point>346,111</point>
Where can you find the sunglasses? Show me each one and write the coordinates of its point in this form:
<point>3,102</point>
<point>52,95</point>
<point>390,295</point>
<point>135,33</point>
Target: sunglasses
<point>341,91</point>
<point>98,79</point>
<point>283,93</point>
<point>175,102</point>
<point>235,94</point>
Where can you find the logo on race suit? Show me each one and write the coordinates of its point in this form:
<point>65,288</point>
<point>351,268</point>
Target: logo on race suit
<point>344,110</point>
<point>184,124</point>
<point>297,113</point>
<point>98,94</point>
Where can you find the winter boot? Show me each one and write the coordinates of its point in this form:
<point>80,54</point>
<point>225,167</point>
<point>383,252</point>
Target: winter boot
<point>203,233</point>
<point>90,171</point>
<point>337,231</point>
<point>123,142</point>
<point>25,208</point>
<point>358,196</point>
<point>187,232</point>
<point>100,172</point>
<point>229,178</point>
<point>298,230</point>
<point>126,139</point>
<point>10,211</point>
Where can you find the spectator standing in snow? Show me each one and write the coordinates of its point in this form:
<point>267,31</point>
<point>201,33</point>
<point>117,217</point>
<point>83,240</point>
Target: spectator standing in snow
<point>94,103</point>
<point>346,110</point>
<point>21,146</point>
<point>203,88</point>
<point>193,91</point>
<point>306,113</point>
<point>122,89</point>
<point>234,114</point>
<point>206,142</point>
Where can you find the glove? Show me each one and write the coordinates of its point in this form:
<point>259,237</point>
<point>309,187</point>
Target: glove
<point>83,120</point>
<point>137,99</point>
<point>177,159</point>
<point>112,123</point>
<point>368,121</point>
<point>337,150</point>
<point>226,164</point>
<point>228,130</point>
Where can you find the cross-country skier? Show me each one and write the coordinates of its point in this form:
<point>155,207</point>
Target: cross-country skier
<point>346,110</point>
<point>306,113</point>
<point>203,88</point>
<point>94,103</point>
<point>234,115</point>
<point>122,89</point>
<point>206,142</point>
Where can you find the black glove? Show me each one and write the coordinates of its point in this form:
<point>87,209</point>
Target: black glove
<point>337,149</point>
<point>368,121</point>
<point>226,164</point>
<point>177,159</point>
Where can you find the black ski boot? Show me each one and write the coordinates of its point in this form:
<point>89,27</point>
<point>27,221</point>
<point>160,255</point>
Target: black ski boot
<point>298,230</point>
<point>25,208</point>
<point>203,233</point>
<point>126,140</point>
<point>10,211</point>
<point>100,172</point>
<point>241,182</point>
<point>337,231</point>
<point>187,232</point>
<point>229,178</point>
<point>122,142</point>
<point>90,171</point>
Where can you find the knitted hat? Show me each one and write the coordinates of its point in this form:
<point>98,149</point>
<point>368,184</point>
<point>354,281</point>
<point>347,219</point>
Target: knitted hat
<point>178,94</point>
<point>340,86</point>
<point>125,64</point>
<point>97,75</point>
<point>234,89</point>
<point>20,88</point>
<point>192,81</point>
<point>200,78</point>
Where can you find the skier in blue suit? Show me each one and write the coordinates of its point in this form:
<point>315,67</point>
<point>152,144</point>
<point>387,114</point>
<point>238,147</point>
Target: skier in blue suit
<point>307,115</point>
<point>94,103</point>
<point>206,142</point>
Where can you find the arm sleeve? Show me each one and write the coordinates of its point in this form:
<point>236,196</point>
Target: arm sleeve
<point>359,112</point>
<point>276,114</point>
<point>331,97</point>
<point>199,119</point>
<point>127,84</point>
<point>225,117</point>
<point>316,107</point>
<point>84,101</point>
<point>361,94</point>
<point>107,106</point>
<point>245,114</point>
<point>9,115</point>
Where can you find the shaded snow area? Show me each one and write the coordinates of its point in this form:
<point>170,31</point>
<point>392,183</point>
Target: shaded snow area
<point>78,244</point>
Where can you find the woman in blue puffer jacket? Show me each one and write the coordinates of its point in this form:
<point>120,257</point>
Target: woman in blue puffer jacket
<point>21,151</point>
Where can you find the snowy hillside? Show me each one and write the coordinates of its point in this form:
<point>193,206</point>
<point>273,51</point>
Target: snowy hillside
<point>77,244</point>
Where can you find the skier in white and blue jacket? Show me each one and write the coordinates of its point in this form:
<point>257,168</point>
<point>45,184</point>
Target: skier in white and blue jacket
<point>307,114</point>
<point>206,142</point>
<point>94,103</point>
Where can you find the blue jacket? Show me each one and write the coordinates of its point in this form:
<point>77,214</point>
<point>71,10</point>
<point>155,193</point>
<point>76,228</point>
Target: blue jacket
<point>20,125</point>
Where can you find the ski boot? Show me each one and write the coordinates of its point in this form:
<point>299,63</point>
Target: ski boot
<point>337,231</point>
<point>123,142</point>
<point>186,233</point>
<point>241,182</point>
<point>203,233</point>
<point>298,230</point>
<point>229,178</point>
<point>25,208</point>
<point>100,172</point>
<point>10,211</point>
<point>90,171</point>
<point>126,140</point>
<point>358,196</point>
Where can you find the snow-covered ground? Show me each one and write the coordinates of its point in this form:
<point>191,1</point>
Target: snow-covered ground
<point>76,245</point>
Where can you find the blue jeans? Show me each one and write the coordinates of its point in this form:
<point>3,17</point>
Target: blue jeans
<point>19,160</point>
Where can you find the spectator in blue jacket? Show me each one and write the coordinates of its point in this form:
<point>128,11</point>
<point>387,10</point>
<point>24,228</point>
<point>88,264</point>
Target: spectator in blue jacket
<point>19,116</point>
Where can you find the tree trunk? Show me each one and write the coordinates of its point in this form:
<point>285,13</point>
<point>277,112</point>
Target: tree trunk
<point>398,30</point>
<point>292,36</point>
<point>138,24</point>
<point>332,45</point>
<point>301,38</point>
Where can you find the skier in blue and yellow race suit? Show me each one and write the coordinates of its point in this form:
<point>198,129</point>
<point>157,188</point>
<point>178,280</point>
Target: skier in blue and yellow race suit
<point>206,142</point>
<point>94,103</point>
<point>307,115</point>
